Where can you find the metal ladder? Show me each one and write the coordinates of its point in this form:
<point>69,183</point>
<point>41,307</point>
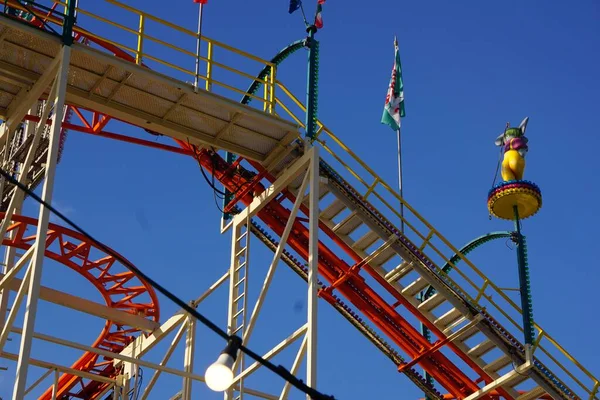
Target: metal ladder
<point>238,295</point>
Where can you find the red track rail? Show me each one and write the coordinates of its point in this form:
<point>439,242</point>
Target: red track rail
<point>354,288</point>
<point>119,287</point>
<point>332,267</point>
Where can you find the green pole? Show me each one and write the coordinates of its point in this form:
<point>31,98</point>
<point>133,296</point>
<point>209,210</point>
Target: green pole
<point>427,335</point>
<point>312,83</point>
<point>68,23</point>
<point>524,284</point>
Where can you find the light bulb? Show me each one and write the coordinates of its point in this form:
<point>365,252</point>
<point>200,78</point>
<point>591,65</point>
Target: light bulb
<point>219,375</point>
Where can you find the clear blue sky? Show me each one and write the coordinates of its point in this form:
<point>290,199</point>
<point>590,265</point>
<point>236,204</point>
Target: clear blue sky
<point>469,67</point>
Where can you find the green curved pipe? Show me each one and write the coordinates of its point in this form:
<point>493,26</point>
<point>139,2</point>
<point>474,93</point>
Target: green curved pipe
<point>278,59</point>
<point>466,249</point>
<point>469,247</point>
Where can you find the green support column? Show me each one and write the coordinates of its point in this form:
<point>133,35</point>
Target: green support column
<point>427,335</point>
<point>69,22</point>
<point>524,284</point>
<point>312,90</point>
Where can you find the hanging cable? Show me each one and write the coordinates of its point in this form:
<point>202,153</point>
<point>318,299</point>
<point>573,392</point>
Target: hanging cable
<point>277,369</point>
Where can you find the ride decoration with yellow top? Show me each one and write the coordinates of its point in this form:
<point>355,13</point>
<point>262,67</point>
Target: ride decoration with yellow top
<point>514,195</point>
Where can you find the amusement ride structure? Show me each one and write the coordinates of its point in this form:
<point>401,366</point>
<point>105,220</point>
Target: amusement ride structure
<point>289,183</point>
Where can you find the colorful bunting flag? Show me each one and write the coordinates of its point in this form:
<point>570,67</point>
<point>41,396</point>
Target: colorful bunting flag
<point>394,101</point>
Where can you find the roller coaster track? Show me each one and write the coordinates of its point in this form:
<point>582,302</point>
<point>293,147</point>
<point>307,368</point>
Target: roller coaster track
<point>368,285</point>
<point>119,287</point>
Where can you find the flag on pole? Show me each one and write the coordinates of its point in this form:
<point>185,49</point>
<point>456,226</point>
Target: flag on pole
<point>201,1</point>
<point>294,5</point>
<point>319,16</point>
<point>394,101</point>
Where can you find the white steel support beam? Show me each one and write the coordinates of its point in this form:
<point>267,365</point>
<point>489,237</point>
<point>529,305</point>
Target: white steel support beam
<point>44,215</point>
<point>89,307</point>
<point>68,370</point>
<point>38,381</point>
<point>9,270</point>
<point>55,385</point>
<point>18,108</point>
<point>276,257</point>
<point>313,270</point>
<point>211,289</point>
<point>295,366</point>
<point>16,200</point>
<point>281,183</point>
<point>272,353</point>
<point>109,354</point>
<point>140,346</point>
<point>163,362</point>
<point>188,362</point>
<point>14,309</point>
<point>5,155</point>
<point>30,128</point>
<point>507,378</point>
<point>6,280</point>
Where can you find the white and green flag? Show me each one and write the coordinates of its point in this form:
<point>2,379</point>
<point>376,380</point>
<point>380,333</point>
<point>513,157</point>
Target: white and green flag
<point>394,101</point>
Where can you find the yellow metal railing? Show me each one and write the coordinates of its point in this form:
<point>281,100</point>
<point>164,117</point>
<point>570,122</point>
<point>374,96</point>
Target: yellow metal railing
<point>183,61</point>
<point>374,185</point>
<point>475,285</point>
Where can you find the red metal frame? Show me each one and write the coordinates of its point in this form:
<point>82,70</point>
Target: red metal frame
<point>336,271</point>
<point>356,290</point>
<point>120,288</point>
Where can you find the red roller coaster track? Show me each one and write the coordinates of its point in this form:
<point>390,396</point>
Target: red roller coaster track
<point>331,266</point>
<point>119,287</point>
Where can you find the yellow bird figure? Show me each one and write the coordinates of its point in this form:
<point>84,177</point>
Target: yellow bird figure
<point>515,149</point>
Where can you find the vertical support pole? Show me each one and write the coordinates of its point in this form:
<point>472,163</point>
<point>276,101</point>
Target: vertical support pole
<point>5,155</point>
<point>10,251</point>
<point>400,180</point>
<point>231,325</point>
<point>312,82</point>
<point>524,286</point>
<point>55,385</point>
<point>69,22</point>
<point>230,159</point>
<point>313,269</point>
<point>266,101</point>
<point>42,228</point>
<point>427,335</point>
<point>189,358</point>
<point>273,102</point>
<point>198,42</point>
<point>9,262</point>
<point>209,55</point>
<point>140,43</point>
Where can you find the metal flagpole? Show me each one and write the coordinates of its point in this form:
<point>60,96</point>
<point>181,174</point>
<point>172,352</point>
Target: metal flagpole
<point>400,179</point>
<point>198,41</point>
<point>399,152</point>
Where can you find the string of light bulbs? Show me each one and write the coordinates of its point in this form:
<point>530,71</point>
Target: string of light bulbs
<point>219,373</point>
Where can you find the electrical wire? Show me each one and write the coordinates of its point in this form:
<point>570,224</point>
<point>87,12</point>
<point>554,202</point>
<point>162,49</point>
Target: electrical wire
<point>218,194</point>
<point>277,369</point>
